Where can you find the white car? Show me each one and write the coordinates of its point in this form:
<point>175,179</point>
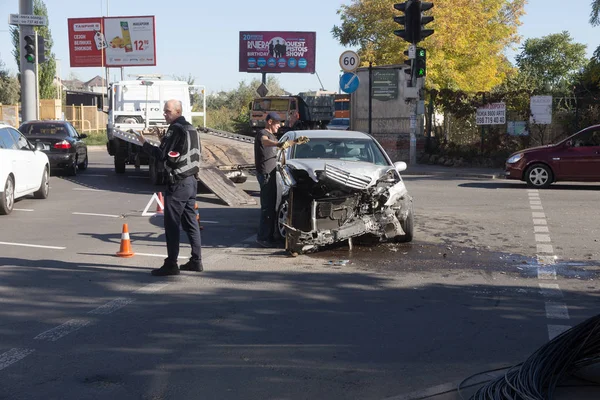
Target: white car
<point>339,185</point>
<point>339,124</point>
<point>24,169</point>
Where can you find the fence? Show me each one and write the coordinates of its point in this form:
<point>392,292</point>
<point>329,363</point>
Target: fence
<point>86,118</point>
<point>10,114</point>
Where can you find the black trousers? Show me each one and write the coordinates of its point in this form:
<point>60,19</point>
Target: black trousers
<point>180,199</point>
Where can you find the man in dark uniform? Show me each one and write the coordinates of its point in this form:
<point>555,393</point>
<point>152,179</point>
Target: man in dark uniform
<point>265,159</point>
<point>180,152</point>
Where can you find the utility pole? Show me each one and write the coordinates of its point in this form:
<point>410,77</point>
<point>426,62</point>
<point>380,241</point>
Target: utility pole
<point>28,76</point>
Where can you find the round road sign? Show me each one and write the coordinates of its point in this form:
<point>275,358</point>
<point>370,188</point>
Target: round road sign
<point>349,61</point>
<point>349,82</point>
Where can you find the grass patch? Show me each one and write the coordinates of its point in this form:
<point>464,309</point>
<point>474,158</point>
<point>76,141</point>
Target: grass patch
<point>95,138</point>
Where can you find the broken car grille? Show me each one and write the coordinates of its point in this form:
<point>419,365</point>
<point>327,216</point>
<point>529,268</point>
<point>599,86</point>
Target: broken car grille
<point>346,178</point>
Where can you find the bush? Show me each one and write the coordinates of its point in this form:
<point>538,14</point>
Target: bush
<point>95,138</point>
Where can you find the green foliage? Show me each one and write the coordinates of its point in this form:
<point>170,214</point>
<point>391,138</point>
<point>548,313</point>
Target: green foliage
<point>229,111</point>
<point>466,52</point>
<point>10,90</point>
<point>47,70</point>
<point>95,138</point>
<point>552,60</point>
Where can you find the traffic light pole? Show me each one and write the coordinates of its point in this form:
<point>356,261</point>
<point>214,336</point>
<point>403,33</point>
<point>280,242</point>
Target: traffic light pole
<point>28,73</point>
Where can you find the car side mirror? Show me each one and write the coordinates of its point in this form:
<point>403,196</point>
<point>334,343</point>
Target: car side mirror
<point>569,143</point>
<point>39,146</point>
<point>400,166</point>
<point>82,136</point>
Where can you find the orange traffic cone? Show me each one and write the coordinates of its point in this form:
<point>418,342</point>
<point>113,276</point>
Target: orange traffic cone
<point>159,208</point>
<point>125,250</point>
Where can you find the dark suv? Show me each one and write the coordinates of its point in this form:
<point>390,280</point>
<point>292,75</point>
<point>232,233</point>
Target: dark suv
<point>577,158</point>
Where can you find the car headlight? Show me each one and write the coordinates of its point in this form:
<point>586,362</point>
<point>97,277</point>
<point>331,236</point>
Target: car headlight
<point>514,158</point>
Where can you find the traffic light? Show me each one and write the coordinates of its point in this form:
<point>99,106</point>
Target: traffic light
<point>422,21</point>
<point>421,62</point>
<point>409,67</point>
<point>29,48</point>
<point>41,49</point>
<point>407,20</point>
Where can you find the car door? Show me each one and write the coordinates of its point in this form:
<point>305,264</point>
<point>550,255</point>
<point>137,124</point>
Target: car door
<point>77,142</point>
<point>18,161</point>
<point>580,158</point>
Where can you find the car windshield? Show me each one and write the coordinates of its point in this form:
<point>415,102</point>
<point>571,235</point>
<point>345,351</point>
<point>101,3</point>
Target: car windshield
<point>341,149</point>
<point>43,129</point>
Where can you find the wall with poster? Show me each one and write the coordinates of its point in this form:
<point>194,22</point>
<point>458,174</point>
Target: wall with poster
<point>112,41</point>
<point>277,52</point>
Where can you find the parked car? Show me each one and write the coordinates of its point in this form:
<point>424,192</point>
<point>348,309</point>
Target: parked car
<point>340,124</point>
<point>24,169</point>
<point>63,144</point>
<point>339,185</point>
<point>577,158</point>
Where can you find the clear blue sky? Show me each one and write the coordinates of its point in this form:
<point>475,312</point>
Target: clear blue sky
<point>201,37</point>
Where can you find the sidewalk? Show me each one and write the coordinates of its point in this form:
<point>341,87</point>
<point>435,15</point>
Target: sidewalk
<point>459,172</point>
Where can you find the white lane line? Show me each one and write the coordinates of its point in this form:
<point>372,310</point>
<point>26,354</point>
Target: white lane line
<point>151,288</point>
<point>545,248</point>
<point>541,229</point>
<point>62,330</point>
<point>12,356</point>
<point>547,273</point>
<point>23,209</point>
<point>536,207</point>
<point>535,202</point>
<point>155,255</point>
<point>542,238</point>
<point>538,215</point>
<point>97,215</point>
<point>546,260</point>
<point>539,222</point>
<point>33,245</point>
<point>112,306</point>
<point>550,290</point>
<point>555,310</point>
<point>555,330</point>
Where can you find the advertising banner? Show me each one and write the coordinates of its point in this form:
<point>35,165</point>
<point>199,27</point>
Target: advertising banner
<point>112,41</point>
<point>277,52</point>
<point>491,114</point>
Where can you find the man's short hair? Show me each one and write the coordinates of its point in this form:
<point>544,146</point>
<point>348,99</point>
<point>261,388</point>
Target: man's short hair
<point>274,116</point>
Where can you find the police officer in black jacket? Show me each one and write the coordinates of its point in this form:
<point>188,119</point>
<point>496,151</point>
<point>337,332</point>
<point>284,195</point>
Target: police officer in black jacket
<point>180,152</point>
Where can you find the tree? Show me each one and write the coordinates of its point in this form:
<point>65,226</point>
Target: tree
<point>47,70</point>
<point>466,52</point>
<point>553,60</point>
<point>10,90</point>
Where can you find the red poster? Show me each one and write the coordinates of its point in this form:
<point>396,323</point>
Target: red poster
<point>86,42</point>
<point>277,52</point>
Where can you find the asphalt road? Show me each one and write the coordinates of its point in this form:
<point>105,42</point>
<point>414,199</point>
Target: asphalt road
<point>487,280</point>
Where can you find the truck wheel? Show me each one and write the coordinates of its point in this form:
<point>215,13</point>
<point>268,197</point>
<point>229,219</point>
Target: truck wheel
<point>119,163</point>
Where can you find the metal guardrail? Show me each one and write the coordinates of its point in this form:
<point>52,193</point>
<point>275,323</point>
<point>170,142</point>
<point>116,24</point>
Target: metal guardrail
<point>228,135</point>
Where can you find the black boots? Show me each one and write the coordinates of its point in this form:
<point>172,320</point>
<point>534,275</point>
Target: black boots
<point>192,265</point>
<point>168,268</point>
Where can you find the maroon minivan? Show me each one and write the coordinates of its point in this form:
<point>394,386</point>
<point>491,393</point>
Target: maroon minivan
<point>577,158</point>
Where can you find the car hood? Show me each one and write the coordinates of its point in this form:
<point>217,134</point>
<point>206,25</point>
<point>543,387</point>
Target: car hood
<point>534,149</point>
<point>366,169</point>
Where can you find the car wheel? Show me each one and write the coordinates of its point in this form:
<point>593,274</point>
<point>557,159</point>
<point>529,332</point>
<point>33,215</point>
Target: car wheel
<point>539,176</point>
<point>282,217</point>
<point>83,166</point>
<point>408,228</point>
<point>72,170</point>
<point>44,190</point>
<point>7,198</point>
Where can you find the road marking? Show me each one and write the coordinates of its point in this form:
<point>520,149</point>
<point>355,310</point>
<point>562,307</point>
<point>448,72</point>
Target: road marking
<point>151,288</point>
<point>555,330</point>
<point>542,238</point>
<point>551,290</point>
<point>62,330</point>
<point>155,255</point>
<point>541,229</point>
<point>545,248</point>
<point>546,273</point>
<point>556,310</point>
<point>97,215</point>
<point>33,245</point>
<point>112,306</point>
<point>538,215</point>
<point>23,209</point>
<point>12,356</point>
<point>539,222</point>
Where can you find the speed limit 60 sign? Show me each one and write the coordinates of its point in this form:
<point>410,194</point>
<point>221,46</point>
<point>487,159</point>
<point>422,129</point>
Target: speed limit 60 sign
<point>349,61</point>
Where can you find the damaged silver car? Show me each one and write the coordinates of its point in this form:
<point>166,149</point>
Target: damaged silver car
<point>338,186</point>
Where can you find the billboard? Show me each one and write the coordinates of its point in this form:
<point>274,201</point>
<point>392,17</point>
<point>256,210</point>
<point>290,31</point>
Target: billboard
<point>277,52</point>
<point>112,41</point>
